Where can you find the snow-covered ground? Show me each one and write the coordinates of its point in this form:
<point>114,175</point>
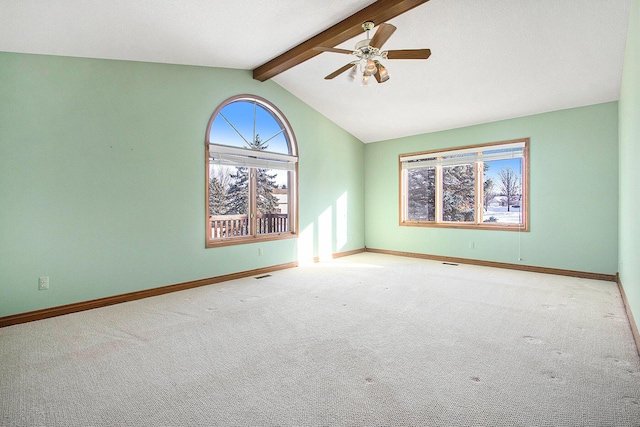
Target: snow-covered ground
<point>501,214</point>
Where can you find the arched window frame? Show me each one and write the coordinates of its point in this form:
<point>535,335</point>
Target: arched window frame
<point>215,233</point>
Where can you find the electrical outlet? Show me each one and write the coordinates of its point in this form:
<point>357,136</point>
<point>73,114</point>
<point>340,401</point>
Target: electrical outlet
<point>471,245</point>
<point>260,252</point>
<point>43,283</point>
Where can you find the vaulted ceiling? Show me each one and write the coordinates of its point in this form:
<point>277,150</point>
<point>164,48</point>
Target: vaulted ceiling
<point>491,59</point>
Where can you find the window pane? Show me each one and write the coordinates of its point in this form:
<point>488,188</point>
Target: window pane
<point>503,191</point>
<point>233,125</point>
<point>272,201</point>
<point>228,201</point>
<point>421,194</point>
<point>458,195</point>
<point>271,131</point>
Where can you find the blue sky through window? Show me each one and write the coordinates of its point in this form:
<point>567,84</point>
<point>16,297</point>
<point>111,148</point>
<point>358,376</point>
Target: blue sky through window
<point>234,126</point>
<point>496,165</point>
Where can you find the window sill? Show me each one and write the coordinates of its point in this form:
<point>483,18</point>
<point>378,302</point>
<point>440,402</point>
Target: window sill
<point>469,226</point>
<point>215,243</point>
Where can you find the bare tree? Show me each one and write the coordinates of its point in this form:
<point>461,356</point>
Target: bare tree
<point>487,188</point>
<point>510,186</point>
<point>223,175</point>
<point>489,196</point>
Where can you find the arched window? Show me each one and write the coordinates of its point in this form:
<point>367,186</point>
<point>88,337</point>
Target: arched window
<point>251,169</point>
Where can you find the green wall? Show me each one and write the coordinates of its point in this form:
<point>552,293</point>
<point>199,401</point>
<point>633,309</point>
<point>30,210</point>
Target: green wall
<point>102,182</point>
<point>573,193</point>
<point>102,179</point>
<point>629,263</point>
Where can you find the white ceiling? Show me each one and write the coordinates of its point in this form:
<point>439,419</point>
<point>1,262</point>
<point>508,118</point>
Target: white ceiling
<point>491,59</point>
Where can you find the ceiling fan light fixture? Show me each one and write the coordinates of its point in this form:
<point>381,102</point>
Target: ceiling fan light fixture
<point>353,74</point>
<point>382,72</point>
<point>366,80</point>
<point>371,68</point>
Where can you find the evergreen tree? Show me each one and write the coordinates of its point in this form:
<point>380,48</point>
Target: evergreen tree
<point>217,197</point>
<point>458,193</point>
<point>238,193</point>
<point>421,194</point>
<point>267,201</point>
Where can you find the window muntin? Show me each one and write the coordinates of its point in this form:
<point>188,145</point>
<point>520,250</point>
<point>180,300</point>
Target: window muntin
<point>251,173</point>
<point>483,186</point>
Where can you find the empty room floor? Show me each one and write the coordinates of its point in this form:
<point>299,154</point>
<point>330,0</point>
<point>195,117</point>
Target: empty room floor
<point>363,340</point>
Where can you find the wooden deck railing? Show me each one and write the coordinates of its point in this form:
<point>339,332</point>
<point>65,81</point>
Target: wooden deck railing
<point>238,225</point>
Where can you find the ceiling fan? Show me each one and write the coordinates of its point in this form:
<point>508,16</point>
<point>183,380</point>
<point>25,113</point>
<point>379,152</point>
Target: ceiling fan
<point>369,54</point>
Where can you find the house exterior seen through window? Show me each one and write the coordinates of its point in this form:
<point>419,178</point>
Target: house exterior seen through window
<point>481,186</point>
<point>251,165</point>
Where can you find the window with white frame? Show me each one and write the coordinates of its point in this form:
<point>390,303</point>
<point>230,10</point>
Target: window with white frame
<point>482,186</point>
<point>251,164</point>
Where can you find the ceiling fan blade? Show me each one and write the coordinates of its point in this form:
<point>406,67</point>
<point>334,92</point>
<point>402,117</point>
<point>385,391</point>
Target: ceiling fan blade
<point>382,34</point>
<point>409,54</point>
<point>339,71</point>
<point>332,49</point>
<point>348,28</point>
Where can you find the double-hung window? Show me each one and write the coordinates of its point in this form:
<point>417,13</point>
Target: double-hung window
<point>481,186</point>
<point>251,164</point>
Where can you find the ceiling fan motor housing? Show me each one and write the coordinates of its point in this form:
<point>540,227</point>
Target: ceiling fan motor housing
<point>363,45</point>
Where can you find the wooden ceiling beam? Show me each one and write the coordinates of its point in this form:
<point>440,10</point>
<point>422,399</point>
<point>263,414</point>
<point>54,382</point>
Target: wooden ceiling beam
<point>378,12</point>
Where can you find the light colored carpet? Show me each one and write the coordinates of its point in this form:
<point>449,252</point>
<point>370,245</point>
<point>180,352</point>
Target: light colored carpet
<point>366,340</point>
